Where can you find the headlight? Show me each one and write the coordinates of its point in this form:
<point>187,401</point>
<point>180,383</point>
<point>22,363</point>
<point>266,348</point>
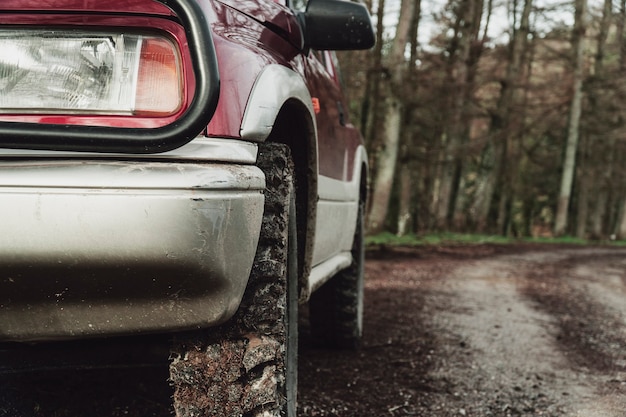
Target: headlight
<point>74,72</point>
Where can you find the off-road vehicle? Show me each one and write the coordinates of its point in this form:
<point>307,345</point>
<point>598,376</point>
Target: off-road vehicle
<point>187,168</point>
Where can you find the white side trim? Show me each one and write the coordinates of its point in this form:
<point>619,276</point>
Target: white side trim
<point>337,190</point>
<point>201,148</point>
<point>335,225</point>
<point>337,211</point>
<point>274,86</point>
<point>326,270</point>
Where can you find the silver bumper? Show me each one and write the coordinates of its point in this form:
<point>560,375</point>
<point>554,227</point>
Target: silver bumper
<point>101,248</point>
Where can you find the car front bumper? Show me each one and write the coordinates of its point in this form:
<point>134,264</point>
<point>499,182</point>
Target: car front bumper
<point>99,247</point>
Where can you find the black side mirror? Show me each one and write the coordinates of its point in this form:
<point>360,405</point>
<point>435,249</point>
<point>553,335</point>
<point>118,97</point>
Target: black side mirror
<point>337,25</point>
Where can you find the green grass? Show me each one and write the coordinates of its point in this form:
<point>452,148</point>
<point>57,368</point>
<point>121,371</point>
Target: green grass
<point>390,239</point>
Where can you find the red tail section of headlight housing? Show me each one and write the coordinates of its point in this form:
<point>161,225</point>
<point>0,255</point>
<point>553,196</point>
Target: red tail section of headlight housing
<point>160,80</point>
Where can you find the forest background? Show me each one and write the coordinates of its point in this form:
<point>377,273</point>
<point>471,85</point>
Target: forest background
<point>502,117</point>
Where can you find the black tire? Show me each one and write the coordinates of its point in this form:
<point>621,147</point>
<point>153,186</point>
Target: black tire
<point>336,309</point>
<point>248,367</point>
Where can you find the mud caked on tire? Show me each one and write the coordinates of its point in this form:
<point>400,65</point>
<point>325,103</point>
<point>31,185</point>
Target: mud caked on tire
<point>248,367</point>
<point>336,308</point>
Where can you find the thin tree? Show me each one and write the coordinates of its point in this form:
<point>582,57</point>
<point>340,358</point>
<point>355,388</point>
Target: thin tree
<point>407,171</point>
<point>620,227</point>
<point>466,29</point>
<point>496,167</point>
<point>602,169</point>
<point>387,153</point>
<point>573,131</point>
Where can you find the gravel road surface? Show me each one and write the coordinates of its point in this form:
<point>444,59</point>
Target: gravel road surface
<point>482,331</point>
<point>522,330</point>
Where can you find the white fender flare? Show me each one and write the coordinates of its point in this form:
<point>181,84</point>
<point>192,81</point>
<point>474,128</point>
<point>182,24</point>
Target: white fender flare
<point>274,86</point>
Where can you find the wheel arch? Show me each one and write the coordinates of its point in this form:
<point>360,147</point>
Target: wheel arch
<point>294,129</point>
<point>280,110</point>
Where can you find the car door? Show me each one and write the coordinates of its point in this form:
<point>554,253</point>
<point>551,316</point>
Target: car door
<point>338,141</point>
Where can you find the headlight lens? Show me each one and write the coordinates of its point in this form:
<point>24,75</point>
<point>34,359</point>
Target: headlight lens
<point>88,73</point>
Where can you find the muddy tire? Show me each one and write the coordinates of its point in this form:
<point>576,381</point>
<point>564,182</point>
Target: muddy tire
<point>336,309</point>
<point>248,367</point>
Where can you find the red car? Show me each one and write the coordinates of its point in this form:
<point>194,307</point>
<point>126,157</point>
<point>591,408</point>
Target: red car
<point>182,167</point>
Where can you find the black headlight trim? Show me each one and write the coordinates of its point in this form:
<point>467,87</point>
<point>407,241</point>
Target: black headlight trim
<point>63,137</point>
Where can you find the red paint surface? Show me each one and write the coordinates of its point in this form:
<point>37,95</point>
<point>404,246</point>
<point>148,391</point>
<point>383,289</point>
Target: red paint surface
<point>114,6</point>
<point>248,35</point>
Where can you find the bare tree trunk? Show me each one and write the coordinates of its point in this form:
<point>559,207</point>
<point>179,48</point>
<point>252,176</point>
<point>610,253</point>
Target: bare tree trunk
<point>405,198</point>
<point>461,198</point>
<point>407,172</point>
<point>583,191</point>
<point>370,105</point>
<point>373,98</point>
<point>386,157</point>
<point>385,165</point>
<point>467,27</point>
<point>569,163</point>
<point>592,171</point>
<point>620,228</point>
<point>620,35</point>
<point>505,124</point>
<point>599,215</point>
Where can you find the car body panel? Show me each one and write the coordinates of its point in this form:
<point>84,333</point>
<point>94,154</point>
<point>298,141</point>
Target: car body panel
<point>201,149</point>
<point>275,86</point>
<point>244,47</point>
<point>117,247</point>
<point>113,243</point>
<point>336,217</point>
<point>274,14</point>
<point>112,6</point>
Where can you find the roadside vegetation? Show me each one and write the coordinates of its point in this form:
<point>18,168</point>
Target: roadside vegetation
<point>387,239</point>
<point>494,118</point>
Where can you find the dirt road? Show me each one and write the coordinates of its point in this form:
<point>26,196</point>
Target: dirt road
<point>482,331</point>
<point>449,331</point>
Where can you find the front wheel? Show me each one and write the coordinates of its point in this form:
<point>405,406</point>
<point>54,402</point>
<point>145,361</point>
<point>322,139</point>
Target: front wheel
<point>248,367</point>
